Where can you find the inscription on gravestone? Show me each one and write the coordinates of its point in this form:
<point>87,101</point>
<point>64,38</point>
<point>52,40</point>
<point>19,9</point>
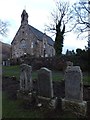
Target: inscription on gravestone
<point>73,83</point>
<point>25,77</point>
<point>45,86</point>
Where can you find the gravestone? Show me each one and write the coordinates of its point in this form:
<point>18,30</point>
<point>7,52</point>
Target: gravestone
<point>25,77</point>
<point>25,93</point>
<point>73,84</point>
<point>45,87</point>
<point>69,63</point>
<point>74,91</point>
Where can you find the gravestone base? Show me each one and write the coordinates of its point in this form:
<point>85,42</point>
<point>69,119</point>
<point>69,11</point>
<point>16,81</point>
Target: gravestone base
<point>53,103</point>
<point>50,103</point>
<point>24,95</point>
<point>79,108</point>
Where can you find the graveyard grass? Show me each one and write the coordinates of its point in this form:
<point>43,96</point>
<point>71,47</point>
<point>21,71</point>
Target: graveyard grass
<point>12,109</point>
<point>15,71</point>
<point>57,75</point>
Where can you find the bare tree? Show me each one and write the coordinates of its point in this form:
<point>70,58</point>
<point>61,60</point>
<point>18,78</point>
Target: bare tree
<point>3,28</point>
<point>61,16</point>
<point>81,17</point>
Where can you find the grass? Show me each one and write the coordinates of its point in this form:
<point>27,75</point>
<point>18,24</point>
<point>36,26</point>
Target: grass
<point>11,71</point>
<point>12,109</point>
<point>15,71</point>
<point>56,75</point>
<point>0,104</point>
<point>86,78</point>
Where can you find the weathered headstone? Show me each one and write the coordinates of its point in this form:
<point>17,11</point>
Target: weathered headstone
<point>25,93</point>
<point>73,83</point>
<point>74,91</point>
<point>45,86</point>
<point>25,77</point>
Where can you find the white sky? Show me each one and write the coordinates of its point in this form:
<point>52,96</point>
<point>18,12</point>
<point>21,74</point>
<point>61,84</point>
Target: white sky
<point>39,13</point>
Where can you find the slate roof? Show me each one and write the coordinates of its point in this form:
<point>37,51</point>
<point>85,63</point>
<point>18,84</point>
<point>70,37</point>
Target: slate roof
<point>40,35</point>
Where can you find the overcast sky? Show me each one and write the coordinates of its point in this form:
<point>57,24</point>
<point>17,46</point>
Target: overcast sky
<point>39,13</point>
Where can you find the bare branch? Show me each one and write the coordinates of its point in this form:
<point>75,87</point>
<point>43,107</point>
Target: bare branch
<point>3,28</point>
<point>71,28</point>
<point>81,12</point>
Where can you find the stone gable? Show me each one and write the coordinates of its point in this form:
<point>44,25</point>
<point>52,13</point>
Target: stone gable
<point>31,41</point>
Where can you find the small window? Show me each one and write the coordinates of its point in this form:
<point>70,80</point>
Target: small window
<point>23,44</point>
<point>44,45</point>
<point>32,44</point>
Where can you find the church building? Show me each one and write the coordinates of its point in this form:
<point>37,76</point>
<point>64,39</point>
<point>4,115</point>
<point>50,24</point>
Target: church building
<point>29,40</point>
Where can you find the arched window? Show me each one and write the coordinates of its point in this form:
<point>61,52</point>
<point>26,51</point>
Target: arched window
<point>44,46</point>
<point>32,44</point>
<point>23,44</point>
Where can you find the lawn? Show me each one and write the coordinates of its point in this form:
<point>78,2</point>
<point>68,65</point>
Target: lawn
<point>15,71</point>
<point>11,71</point>
<point>12,109</point>
<point>56,75</point>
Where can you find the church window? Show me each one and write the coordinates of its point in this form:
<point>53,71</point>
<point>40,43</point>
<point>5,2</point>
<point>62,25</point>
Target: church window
<point>32,44</point>
<point>44,45</point>
<point>46,55</point>
<point>23,44</point>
